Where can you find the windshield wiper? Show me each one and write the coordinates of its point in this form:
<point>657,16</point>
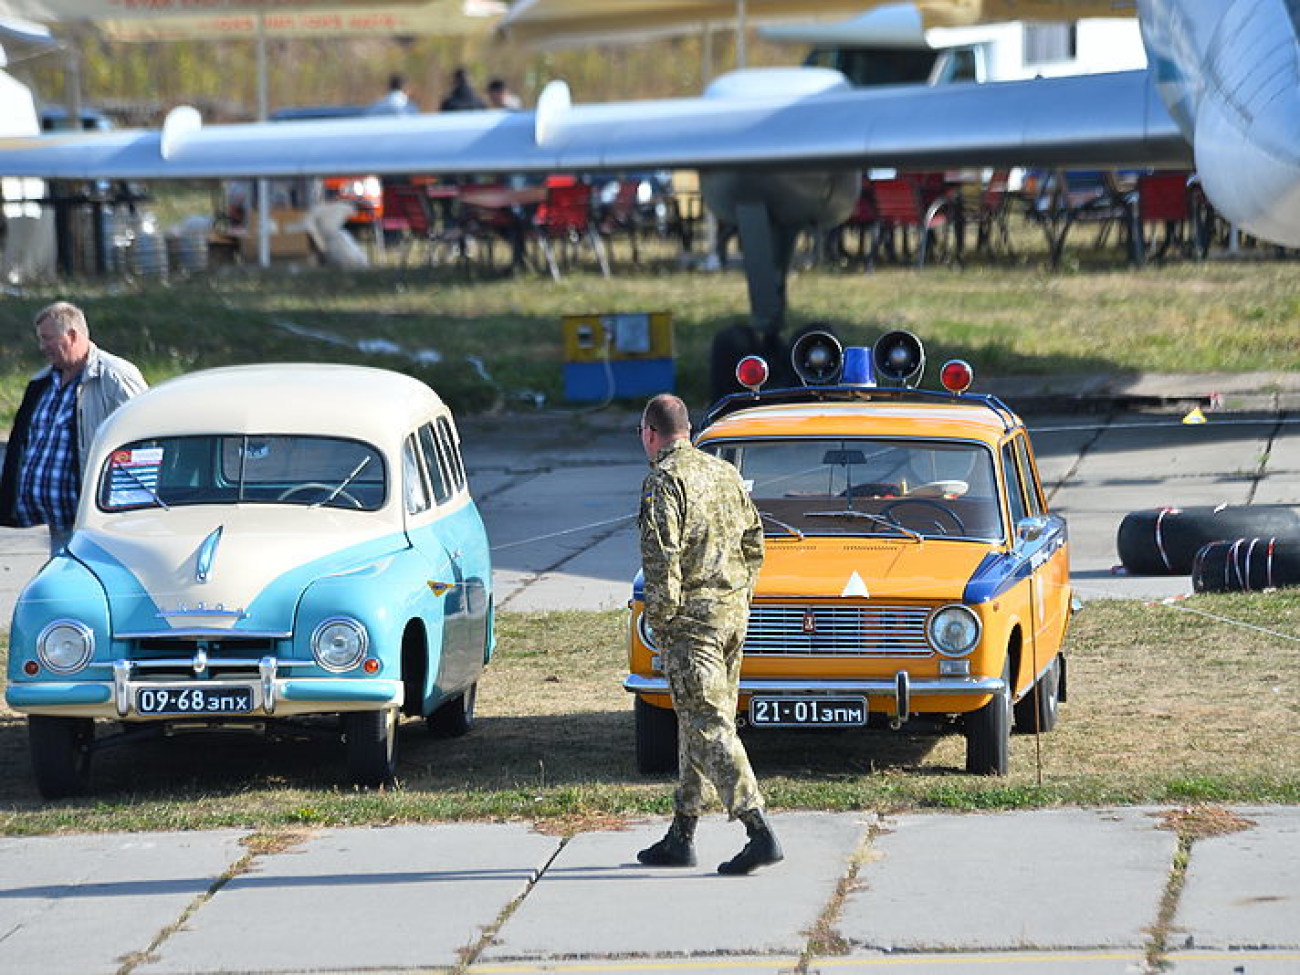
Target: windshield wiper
<point>781,524</point>
<point>344,483</point>
<point>874,519</point>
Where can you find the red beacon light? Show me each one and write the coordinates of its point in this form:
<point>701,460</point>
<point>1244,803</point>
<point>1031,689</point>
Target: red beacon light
<point>751,372</point>
<point>956,376</point>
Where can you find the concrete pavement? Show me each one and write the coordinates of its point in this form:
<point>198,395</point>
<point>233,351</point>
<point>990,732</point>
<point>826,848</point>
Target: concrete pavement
<point>558,491</point>
<point>1044,891</point>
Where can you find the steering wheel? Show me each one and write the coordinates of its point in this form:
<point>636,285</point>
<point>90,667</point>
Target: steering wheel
<point>948,512</point>
<point>328,489</point>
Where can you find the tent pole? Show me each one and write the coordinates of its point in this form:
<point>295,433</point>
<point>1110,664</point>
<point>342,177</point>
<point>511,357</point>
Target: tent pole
<point>740,34</point>
<point>263,184</point>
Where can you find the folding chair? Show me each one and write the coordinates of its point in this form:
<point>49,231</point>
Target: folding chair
<point>902,205</point>
<point>564,220</point>
<point>1163,199</point>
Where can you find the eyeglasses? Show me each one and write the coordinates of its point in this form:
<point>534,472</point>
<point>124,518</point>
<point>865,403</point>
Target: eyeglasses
<point>640,428</point>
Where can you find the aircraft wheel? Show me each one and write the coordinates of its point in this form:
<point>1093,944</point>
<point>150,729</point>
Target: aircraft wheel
<point>1247,565</point>
<point>1164,541</point>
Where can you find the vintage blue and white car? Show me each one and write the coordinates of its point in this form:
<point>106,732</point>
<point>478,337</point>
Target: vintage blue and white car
<point>254,545</point>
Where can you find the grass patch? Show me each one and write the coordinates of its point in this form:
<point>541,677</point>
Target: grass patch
<point>489,341</point>
<point>1166,707</point>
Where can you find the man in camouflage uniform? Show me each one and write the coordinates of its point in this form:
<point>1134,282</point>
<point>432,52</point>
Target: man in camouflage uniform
<point>701,549</point>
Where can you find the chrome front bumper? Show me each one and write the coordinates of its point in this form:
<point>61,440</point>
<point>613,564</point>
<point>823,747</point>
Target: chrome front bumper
<point>901,688</point>
<point>274,693</point>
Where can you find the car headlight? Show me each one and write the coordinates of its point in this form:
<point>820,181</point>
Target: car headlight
<point>954,630</point>
<point>339,643</point>
<point>65,646</point>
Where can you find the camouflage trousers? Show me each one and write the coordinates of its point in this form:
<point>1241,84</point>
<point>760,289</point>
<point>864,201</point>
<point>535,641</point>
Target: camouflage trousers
<point>703,672</point>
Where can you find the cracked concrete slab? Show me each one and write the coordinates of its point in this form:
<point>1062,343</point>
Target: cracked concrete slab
<point>1240,891</point>
<point>347,900</point>
<point>597,901</point>
<point>1039,879</point>
<point>82,905</point>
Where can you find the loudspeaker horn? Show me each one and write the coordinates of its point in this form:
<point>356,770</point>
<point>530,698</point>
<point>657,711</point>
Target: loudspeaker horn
<point>817,357</point>
<point>899,357</point>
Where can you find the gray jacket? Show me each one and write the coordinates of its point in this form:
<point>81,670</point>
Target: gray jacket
<point>107,382</point>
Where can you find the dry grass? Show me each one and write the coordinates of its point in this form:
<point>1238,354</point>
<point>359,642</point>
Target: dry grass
<point>1166,706</point>
<point>1007,317</point>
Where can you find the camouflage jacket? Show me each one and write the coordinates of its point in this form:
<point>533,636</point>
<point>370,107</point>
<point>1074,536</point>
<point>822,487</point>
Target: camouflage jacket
<point>701,541</point>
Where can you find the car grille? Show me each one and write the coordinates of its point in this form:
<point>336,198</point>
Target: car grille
<point>837,631</point>
<point>171,658</point>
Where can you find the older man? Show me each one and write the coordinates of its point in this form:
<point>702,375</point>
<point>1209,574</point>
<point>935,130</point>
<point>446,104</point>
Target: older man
<point>701,549</point>
<point>63,406</point>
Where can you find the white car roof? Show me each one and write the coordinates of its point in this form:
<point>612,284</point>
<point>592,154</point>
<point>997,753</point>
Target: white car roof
<point>375,405</point>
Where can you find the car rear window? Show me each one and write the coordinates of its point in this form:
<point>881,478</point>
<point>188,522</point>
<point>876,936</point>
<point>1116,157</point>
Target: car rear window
<point>868,486</point>
<point>240,468</point>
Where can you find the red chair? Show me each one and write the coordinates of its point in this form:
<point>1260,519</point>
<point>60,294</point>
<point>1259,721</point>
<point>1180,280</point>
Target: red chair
<point>407,216</point>
<point>563,221</point>
<point>989,212</point>
<point>902,206</point>
<point>1163,199</point>
<point>620,217</point>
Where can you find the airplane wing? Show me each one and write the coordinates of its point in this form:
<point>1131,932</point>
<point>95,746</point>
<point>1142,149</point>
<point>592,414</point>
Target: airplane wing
<point>770,119</point>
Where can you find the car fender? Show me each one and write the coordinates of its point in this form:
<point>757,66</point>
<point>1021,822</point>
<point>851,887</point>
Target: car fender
<point>63,589</point>
<point>383,595</point>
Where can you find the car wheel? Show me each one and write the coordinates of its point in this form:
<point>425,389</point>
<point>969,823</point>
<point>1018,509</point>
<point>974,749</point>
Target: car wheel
<point>988,733</point>
<point>1038,710</point>
<point>656,738</point>
<point>371,739</point>
<point>455,717</point>
<point>60,754</point>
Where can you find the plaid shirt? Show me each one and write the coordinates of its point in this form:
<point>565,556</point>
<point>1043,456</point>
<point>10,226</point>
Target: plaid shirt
<point>49,480</point>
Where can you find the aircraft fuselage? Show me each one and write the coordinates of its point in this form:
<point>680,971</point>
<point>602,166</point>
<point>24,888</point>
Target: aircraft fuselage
<point>1229,73</point>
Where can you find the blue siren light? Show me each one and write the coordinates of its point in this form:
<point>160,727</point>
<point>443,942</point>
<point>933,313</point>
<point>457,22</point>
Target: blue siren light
<point>858,370</point>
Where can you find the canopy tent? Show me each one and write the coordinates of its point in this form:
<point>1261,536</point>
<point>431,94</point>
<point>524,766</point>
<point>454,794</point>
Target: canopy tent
<point>439,17</point>
<point>555,24</point>
<point>258,20</point>
<point>570,23</point>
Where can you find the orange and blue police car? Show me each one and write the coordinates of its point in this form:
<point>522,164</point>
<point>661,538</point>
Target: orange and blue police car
<point>912,569</point>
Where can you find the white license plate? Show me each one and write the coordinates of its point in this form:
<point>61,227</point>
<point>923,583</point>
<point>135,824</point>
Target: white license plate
<point>190,700</point>
<point>810,712</point>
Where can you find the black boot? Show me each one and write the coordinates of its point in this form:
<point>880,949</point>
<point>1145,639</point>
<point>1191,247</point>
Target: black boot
<point>676,849</point>
<point>761,849</point>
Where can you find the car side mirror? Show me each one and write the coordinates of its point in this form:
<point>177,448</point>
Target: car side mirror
<point>1031,529</point>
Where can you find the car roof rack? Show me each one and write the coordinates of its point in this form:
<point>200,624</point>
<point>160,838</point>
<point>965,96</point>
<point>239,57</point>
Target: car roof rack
<point>855,393</point>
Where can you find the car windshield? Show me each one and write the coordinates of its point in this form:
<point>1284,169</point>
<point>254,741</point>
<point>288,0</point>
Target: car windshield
<point>910,489</point>
<point>241,468</point>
